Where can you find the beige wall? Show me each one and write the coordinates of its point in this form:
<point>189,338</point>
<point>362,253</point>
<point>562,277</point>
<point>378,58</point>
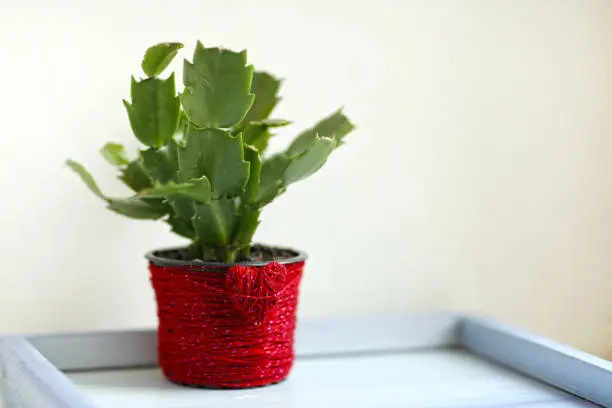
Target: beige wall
<point>478,178</point>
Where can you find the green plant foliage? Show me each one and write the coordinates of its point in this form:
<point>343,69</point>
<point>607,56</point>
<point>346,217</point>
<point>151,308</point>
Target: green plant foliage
<point>134,176</point>
<point>115,154</point>
<point>335,126</point>
<point>197,190</point>
<point>310,160</point>
<point>133,207</point>
<point>272,182</point>
<point>216,154</point>
<point>204,167</point>
<point>217,87</point>
<point>160,165</point>
<point>158,57</point>
<point>265,88</point>
<point>154,111</point>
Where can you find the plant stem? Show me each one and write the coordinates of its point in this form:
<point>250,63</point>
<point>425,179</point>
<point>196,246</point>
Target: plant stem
<point>227,254</point>
<point>245,253</point>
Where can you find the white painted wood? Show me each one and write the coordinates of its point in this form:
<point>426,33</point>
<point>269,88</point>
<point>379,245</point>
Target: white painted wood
<point>99,350</point>
<point>427,378</point>
<point>28,380</point>
<point>355,334</point>
<point>315,336</point>
<point>386,361</point>
<point>557,364</point>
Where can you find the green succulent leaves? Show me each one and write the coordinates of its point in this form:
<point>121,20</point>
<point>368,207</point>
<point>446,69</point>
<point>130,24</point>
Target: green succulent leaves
<point>310,160</point>
<point>114,153</point>
<point>158,57</point>
<point>135,177</point>
<point>272,182</point>
<point>284,169</point>
<point>137,208</point>
<point>335,126</point>
<point>214,222</point>
<point>154,111</point>
<point>216,154</point>
<point>252,156</point>
<point>265,87</point>
<point>87,178</point>
<point>160,165</point>
<point>204,167</point>
<point>132,207</point>
<point>197,190</point>
<point>217,87</point>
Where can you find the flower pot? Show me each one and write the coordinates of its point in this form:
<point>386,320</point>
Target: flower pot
<point>225,325</point>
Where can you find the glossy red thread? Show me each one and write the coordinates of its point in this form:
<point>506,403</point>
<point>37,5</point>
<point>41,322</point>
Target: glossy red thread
<point>223,327</point>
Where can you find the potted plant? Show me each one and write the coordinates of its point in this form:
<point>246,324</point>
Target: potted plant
<point>226,307</point>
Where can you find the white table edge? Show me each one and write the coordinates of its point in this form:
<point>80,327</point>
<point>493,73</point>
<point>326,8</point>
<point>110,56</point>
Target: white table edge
<point>31,366</point>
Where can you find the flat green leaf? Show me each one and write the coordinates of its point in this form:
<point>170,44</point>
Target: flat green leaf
<point>249,213</point>
<point>197,190</point>
<point>335,126</point>
<point>265,87</point>
<point>271,179</point>
<point>171,150</point>
<point>137,208</point>
<point>133,207</point>
<point>182,208</point>
<point>115,154</point>
<point>255,126</point>
<point>87,178</point>
<point>135,177</point>
<point>158,57</point>
<point>271,123</point>
<point>137,180</point>
<point>217,86</point>
<point>216,154</point>
<point>249,221</point>
<point>252,156</point>
<point>257,134</point>
<point>183,124</point>
<point>214,222</point>
<point>310,160</point>
<point>154,111</point>
<point>182,211</point>
<point>161,165</point>
<point>181,226</point>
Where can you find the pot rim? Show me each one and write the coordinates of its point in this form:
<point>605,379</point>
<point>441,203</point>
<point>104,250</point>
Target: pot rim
<point>157,259</point>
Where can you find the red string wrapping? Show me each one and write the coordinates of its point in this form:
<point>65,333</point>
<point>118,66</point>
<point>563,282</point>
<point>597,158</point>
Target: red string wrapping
<point>223,327</point>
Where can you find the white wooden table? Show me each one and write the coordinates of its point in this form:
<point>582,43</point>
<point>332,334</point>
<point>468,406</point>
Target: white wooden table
<point>432,360</point>
<point>427,378</point>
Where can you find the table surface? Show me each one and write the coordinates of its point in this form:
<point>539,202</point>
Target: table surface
<point>422,378</point>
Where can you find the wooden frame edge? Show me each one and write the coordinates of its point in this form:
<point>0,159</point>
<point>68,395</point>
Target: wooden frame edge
<point>33,363</point>
<point>29,379</point>
<point>552,363</point>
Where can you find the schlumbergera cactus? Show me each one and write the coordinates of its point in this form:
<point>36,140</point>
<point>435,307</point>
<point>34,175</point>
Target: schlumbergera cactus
<point>204,169</point>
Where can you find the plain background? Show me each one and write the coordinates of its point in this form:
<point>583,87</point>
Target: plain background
<point>478,178</point>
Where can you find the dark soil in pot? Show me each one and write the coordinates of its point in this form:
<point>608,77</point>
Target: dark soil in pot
<point>260,255</point>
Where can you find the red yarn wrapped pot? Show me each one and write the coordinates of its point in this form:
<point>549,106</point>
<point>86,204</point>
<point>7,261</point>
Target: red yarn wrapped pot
<point>225,325</point>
